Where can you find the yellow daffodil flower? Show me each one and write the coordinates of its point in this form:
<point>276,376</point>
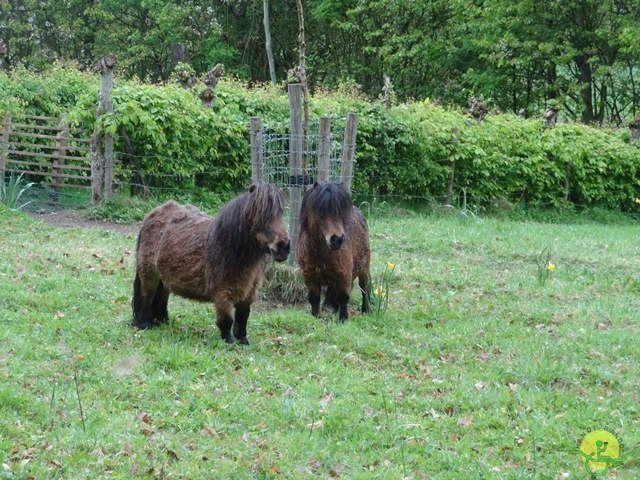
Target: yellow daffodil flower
<point>551,267</point>
<point>391,265</point>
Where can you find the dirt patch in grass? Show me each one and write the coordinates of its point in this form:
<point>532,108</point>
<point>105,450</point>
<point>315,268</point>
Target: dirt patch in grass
<point>78,218</point>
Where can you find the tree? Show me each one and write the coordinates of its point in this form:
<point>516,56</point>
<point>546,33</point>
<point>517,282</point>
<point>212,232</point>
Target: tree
<point>25,30</point>
<point>582,56</point>
<point>267,36</point>
<point>570,53</point>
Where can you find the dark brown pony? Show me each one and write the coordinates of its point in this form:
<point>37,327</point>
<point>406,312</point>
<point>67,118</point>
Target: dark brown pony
<point>221,260</point>
<point>333,247</point>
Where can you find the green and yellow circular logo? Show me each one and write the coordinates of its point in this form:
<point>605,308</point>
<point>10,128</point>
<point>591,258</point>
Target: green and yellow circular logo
<point>600,451</point>
<point>597,447</point>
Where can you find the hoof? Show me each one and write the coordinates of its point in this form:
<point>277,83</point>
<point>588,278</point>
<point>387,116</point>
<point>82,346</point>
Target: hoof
<point>228,338</point>
<point>243,341</point>
<point>142,324</point>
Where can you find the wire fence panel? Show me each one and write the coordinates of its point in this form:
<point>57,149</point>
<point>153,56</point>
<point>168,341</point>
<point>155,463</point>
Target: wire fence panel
<point>276,153</point>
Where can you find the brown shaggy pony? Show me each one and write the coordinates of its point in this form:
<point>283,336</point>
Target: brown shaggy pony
<point>333,247</point>
<point>221,260</point>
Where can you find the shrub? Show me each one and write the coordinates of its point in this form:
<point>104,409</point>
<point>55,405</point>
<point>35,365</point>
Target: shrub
<point>166,139</point>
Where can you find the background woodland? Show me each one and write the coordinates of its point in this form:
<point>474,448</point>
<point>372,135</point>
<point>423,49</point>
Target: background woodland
<point>580,56</point>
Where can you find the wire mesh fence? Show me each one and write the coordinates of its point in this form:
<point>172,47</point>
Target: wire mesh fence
<point>276,159</point>
<point>221,177</point>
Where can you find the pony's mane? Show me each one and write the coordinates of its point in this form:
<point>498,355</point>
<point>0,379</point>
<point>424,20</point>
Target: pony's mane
<point>234,224</point>
<point>327,199</point>
<point>263,204</point>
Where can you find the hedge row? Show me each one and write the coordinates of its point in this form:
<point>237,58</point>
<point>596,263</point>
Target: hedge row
<point>406,150</point>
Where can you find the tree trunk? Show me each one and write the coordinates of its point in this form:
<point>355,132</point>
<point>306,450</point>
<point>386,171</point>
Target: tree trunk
<point>586,89</point>
<point>179,54</point>
<point>211,81</point>
<point>267,36</point>
<point>552,77</point>
<point>583,46</point>
<point>302,79</point>
<point>3,52</point>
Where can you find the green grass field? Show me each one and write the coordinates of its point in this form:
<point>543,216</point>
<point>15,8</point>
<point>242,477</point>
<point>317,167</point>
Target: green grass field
<point>479,369</point>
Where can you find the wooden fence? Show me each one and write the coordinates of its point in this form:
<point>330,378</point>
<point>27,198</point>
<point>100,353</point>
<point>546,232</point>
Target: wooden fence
<point>45,148</point>
<point>300,177</point>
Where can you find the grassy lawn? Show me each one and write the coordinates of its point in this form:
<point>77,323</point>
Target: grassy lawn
<point>477,370</point>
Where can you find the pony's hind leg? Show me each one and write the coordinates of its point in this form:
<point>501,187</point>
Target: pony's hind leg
<point>365,287</point>
<point>160,303</point>
<point>142,304</point>
<point>243,309</point>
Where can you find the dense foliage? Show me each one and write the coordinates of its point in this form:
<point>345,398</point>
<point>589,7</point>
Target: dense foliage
<point>170,141</point>
<point>581,56</point>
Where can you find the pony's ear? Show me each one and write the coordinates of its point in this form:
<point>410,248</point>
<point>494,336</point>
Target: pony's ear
<point>315,185</point>
<point>252,188</point>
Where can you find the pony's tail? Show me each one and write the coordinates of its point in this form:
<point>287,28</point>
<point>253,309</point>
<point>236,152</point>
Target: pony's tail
<point>138,242</point>
<point>136,301</point>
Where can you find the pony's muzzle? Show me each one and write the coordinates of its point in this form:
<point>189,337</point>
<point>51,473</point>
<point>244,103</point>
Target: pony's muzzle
<point>336,241</point>
<point>281,252</point>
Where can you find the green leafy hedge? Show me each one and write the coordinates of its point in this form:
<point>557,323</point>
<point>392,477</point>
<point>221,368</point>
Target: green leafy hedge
<point>405,150</point>
<point>171,137</point>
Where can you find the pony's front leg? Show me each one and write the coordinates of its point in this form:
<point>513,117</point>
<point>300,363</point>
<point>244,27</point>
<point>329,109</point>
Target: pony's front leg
<point>343,302</point>
<point>243,309</point>
<point>224,319</point>
<point>314,300</point>
<point>331,298</point>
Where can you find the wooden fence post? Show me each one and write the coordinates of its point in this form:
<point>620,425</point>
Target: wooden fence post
<point>4,145</point>
<point>550,118</point>
<point>109,161</point>
<point>61,152</point>
<point>106,87</point>
<point>349,149</point>
<point>97,168</point>
<point>295,164</point>
<point>452,170</point>
<point>324,148</point>
<point>257,174</point>
<point>102,167</point>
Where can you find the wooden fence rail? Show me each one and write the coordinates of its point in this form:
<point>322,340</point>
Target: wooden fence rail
<point>45,147</point>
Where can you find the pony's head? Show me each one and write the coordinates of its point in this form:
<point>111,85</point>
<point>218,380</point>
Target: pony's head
<point>325,210</point>
<point>263,211</point>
